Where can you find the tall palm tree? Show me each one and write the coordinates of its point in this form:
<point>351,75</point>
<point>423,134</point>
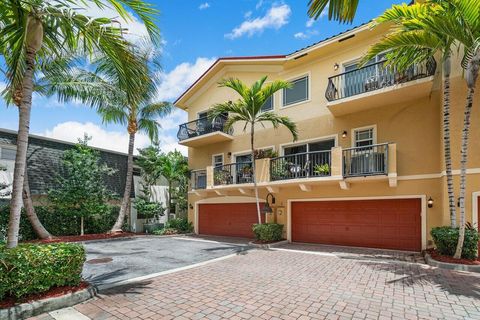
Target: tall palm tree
<point>173,166</point>
<point>408,43</point>
<point>248,110</point>
<point>340,10</point>
<point>121,97</point>
<point>34,29</point>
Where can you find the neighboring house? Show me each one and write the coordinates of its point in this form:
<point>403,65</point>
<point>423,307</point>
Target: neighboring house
<point>377,131</point>
<point>44,163</point>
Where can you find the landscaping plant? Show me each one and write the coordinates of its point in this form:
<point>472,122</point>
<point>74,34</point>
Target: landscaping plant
<point>446,239</point>
<point>268,232</point>
<point>81,189</point>
<point>32,268</point>
<point>248,110</point>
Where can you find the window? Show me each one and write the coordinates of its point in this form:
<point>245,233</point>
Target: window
<point>247,158</point>
<point>217,160</point>
<point>323,145</point>
<point>203,115</point>
<point>268,105</point>
<point>364,137</point>
<point>297,93</point>
<point>8,153</point>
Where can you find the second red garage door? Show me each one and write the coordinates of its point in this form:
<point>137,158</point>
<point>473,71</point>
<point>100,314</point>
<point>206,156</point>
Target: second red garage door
<point>386,224</point>
<point>229,219</point>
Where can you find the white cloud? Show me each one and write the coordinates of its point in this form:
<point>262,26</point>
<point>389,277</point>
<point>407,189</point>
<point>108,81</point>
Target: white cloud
<point>172,121</point>
<point>259,4</point>
<point>305,35</point>
<point>325,11</point>
<point>310,23</point>
<point>204,6</point>
<point>247,14</point>
<point>275,18</point>
<point>101,138</point>
<point>173,83</point>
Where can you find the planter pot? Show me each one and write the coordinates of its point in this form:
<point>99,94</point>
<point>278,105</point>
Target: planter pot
<point>150,227</point>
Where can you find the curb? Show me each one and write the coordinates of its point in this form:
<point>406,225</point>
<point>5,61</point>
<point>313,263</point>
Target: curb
<point>451,266</point>
<point>267,245</point>
<point>31,309</point>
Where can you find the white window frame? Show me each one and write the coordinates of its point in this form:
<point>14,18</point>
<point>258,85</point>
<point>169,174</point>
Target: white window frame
<point>374,135</point>
<point>309,90</point>
<point>213,159</point>
<point>273,104</point>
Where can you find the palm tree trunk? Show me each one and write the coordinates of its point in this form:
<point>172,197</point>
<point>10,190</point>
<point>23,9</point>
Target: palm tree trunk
<point>472,74</point>
<point>169,199</point>
<point>82,231</point>
<point>446,142</point>
<point>117,227</point>
<point>37,226</point>
<point>21,154</point>
<point>254,173</point>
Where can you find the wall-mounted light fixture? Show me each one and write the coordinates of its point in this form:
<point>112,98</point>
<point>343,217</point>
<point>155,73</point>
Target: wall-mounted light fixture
<point>266,208</point>
<point>344,134</point>
<point>458,202</point>
<point>430,202</point>
<point>190,206</point>
<point>336,66</point>
<point>229,155</point>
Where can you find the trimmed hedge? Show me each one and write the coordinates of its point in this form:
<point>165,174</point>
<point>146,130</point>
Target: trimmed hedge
<point>446,239</point>
<point>268,231</point>
<point>60,223</point>
<point>180,224</point>
<point>33,268</point>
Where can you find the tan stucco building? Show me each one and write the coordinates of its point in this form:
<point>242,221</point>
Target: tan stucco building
<point>368,158</point>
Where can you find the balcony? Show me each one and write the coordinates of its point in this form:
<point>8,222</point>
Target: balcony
<point>198,179</point>
<point>375,85</point>
<point>341,166</point>
<point>204,131</point>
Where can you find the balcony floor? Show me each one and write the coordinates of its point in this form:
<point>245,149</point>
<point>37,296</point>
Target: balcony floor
<point>209,138</point>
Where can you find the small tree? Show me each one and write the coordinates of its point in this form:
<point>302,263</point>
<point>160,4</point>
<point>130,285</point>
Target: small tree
<point>174,167</point>
<point>82,191</point>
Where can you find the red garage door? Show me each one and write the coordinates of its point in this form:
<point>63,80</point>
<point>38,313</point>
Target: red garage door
<point>387,224</point>
<point>232,219</point>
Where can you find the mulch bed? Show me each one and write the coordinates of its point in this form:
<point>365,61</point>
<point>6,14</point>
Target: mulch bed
<point>265,242</point>
<point>436,256</point>
<point>96,236</point>
<point>53,292</point>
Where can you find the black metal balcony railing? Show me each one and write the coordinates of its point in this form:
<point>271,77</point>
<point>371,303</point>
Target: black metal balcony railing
<point>365,161</point>
<point>198,179</point>
<point>375,76</point>
<point>202,126</point>
<point>301,165</point>
<point>233,173</point>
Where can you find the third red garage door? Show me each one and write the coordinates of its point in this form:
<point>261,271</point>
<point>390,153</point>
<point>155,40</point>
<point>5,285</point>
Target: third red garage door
<point>228,219</point>
<point>386,224</point>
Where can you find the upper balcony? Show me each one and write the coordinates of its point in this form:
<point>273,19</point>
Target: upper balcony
<point>376,84</point>
<point>204,131</point>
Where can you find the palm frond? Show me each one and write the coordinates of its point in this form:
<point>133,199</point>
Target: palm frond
<point>276,121</point>
<point>340,10</point>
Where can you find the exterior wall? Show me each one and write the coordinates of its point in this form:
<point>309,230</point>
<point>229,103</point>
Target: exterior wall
<point>414,125</point>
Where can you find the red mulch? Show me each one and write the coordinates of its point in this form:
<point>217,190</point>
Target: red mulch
<point>436,256</point>
<point>53,292</point>
<point>265,242</point>
<point>96,236</point>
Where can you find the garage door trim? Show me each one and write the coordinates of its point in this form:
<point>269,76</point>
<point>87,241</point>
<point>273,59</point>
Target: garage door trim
<point>220,200</point>
<point>423,212</point>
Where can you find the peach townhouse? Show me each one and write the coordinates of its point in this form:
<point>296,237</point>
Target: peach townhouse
<point>367,169</point>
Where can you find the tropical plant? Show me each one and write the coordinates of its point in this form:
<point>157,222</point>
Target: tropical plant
<point>322,169</point>
<point>410,42</point>
<point>455,23</point>
<point>33,30</point>
<point>248,110</point>
<point>341,10</point>
<point>81,189</point>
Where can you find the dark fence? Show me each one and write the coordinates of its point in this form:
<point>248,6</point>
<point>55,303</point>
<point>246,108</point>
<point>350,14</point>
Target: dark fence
<point>198,179</point>
<point>233,173</point>
<point>375,76</point>
<point>365,161</point>
<point>201,126</point>
<point>300,165</point>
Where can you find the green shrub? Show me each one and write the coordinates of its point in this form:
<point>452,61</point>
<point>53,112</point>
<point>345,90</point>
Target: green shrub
<point>166,231</point>
<point>60,222</point>
<point>446,239</point>
<point>31,268</point>
<point>181,224</point>
<point>268,231</point>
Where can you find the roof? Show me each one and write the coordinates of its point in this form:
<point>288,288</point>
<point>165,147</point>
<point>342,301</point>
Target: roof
<point>270,57</point>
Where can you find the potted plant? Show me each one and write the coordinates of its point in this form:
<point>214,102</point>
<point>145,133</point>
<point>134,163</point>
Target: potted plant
<point>280,170</point>
<point>221,177</point>
<point>322,169</point>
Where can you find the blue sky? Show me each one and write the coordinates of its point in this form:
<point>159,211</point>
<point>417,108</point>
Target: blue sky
<point>194,33</point>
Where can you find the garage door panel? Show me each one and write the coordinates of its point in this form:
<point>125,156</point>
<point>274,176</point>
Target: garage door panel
<point>388,224</point>
<point>231,219</point>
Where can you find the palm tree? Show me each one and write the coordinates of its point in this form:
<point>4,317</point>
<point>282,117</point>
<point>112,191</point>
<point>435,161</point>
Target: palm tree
<point>408,43</point>
<point>123,96</point>
<point>248,110</point>
<point>173,166</point>
<point>340,10</point>
<point>34,29</point>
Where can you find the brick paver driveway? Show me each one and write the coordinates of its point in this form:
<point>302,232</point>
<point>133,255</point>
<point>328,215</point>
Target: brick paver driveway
<point>281,284</point>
